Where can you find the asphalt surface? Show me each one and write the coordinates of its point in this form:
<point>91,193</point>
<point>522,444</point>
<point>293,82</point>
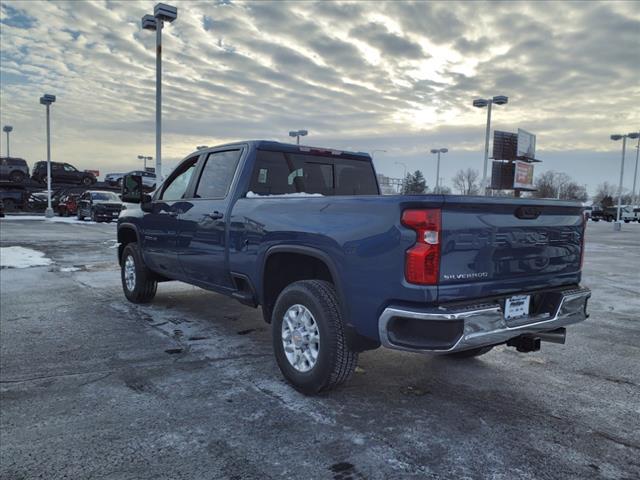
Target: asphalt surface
<point>92,386</point>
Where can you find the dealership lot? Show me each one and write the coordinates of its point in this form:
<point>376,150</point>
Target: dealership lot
<point>95,387</point>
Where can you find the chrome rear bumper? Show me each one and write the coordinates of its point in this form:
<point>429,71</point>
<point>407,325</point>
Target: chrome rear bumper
<point>475,325</point>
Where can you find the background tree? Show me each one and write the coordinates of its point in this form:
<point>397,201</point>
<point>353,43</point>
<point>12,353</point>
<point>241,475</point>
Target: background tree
<point>414,183</point>
<point>465,181</point>
<point>551,184</point>
<point>607,195</point>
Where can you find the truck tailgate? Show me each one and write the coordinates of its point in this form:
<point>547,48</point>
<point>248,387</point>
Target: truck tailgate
<point>495,246</point>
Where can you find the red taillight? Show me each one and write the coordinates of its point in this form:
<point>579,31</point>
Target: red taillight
<point>422,261</point>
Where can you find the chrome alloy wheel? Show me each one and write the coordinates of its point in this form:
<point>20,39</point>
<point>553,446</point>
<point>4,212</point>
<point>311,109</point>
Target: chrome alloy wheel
<point>300,338</point>
<point>130,273</point>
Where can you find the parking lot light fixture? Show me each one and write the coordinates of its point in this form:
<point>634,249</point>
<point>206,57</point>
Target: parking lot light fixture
<point>633,135</point>
<point>7,129</point>
<point>161,13</point>
<point>481,103</point>
<point>47,100</point>
<point>438,151</point>
<point>298,134</point>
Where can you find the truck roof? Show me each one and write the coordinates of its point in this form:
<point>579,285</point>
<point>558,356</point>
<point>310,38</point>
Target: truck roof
<point>292,147</point>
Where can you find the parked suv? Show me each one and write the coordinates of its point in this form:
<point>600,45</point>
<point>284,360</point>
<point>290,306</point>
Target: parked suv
<point>99,206</point>
<point>62,173</point>
<point>14,169</point>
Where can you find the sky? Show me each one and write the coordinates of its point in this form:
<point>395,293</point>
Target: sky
<point>364,76</point>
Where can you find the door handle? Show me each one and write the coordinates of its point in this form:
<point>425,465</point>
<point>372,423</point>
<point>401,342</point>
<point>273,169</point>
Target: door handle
<point>215,215</point>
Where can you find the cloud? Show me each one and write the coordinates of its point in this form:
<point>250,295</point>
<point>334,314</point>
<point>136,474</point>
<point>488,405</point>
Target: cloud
<point>398,76</point>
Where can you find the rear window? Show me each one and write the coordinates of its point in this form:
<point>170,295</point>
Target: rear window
<point>280,173</point>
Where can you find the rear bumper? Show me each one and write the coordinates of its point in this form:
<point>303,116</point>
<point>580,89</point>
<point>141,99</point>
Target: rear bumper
<point>452,329</point>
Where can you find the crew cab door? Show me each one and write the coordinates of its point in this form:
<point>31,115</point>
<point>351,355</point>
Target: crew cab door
<point>203,229</point>
<point>160,224</point>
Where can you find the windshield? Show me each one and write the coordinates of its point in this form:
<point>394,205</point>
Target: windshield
<point>104,197</point>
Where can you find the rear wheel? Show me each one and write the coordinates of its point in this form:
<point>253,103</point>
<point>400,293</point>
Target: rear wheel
<point>138,281</point>
<point>473,352</point>
<point>308,337</point>
<point>87,181</point>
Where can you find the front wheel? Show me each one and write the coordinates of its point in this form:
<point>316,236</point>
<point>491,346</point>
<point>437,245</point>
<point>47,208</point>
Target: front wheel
<point>87,181</point>
<point>308,337</point>
<point>138,281</point>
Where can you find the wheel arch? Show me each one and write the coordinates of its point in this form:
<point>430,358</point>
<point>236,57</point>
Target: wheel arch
<point>310,263</point>
<point>127,233</point>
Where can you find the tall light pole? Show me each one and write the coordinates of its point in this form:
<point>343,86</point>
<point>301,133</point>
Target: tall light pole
<point>634,200</point>
<point>438,151</point>
<point>7,129</point>
<point>161,13</point>
<point>144,159</point>
<point>298,134</point>
<point>481,103</point>
<point>47,100</point>
<point>617,225</point>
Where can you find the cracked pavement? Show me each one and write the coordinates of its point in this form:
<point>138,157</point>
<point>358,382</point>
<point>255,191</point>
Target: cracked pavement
<point>94,387</point>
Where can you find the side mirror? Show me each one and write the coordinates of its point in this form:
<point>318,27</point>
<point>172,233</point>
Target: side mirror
<point>132,189</point>
<point>146,204</point>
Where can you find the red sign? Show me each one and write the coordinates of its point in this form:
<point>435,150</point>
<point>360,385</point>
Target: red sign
<point>96,173</point>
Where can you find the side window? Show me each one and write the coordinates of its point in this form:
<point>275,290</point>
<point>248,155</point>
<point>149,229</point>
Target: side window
<point>56,167</point>
<point>217,174</point>
<point>69,168</point>
<point>177,185</point>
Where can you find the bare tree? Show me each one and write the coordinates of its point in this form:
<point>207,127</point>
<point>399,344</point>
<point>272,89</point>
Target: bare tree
<point>552,184</point>
<point>605,193</point>
<point>465,181</point>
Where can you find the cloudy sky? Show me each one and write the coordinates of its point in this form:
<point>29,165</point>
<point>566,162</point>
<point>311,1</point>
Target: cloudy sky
<point>397,76</point>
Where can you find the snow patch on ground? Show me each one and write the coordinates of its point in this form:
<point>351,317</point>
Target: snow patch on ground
<point>69,269</point>
<point>297,194</point>
<point>20,257</point>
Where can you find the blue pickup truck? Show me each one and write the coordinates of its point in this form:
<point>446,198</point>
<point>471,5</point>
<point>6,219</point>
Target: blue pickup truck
<point>337,268</point>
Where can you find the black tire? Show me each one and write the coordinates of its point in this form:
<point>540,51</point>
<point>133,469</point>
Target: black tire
<point>335,361</point>
<point>94,218</point>
<point>474,352</point>
<point>17,176</point>
<point>145,285</point>
<point>80,217</point>
<point>87,181</point>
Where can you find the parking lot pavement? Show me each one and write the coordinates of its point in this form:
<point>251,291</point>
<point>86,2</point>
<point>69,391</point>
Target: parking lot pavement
<point>94,387</point>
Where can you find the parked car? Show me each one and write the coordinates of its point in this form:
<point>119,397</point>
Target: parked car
<point>148,179</point>
<point>1,209</point>
<point>636,214</point>
<point>13,169</point>
<point>68,205</point>
<point>597,214</point>
<point>62,173</point>
<point>14,198</point>
<point>113,179</point>
<point>338,268</point>
<point>99,206</point>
